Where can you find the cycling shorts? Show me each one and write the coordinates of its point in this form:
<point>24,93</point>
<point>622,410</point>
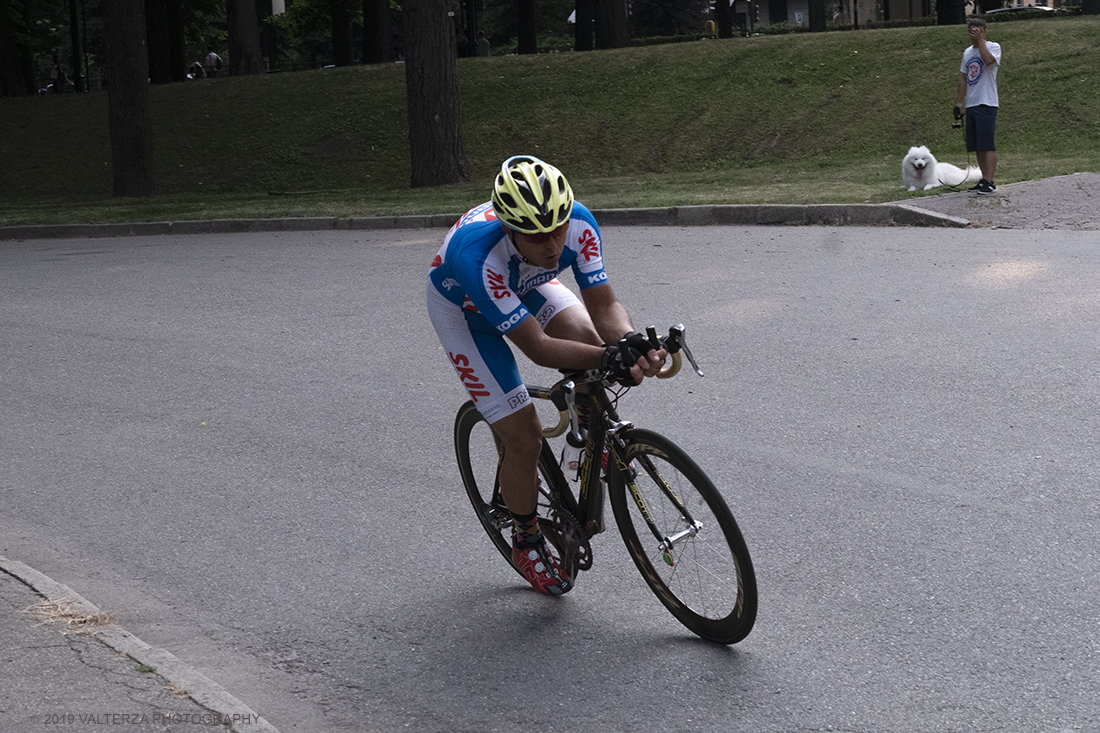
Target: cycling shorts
<point>483,361</point>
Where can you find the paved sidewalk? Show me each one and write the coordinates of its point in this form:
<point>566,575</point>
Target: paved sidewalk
<point>71,677</point>
<point>1063,202</point>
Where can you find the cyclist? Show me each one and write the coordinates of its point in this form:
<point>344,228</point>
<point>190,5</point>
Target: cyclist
<point>495,277</point>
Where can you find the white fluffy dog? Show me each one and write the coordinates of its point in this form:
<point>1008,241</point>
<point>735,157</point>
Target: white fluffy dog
<point>921,170</point>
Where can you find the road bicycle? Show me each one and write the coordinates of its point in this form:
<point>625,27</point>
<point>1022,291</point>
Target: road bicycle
<point>677,527</point>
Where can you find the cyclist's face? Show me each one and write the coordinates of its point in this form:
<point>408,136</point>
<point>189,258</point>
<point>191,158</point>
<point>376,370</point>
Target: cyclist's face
<point>543,249</point>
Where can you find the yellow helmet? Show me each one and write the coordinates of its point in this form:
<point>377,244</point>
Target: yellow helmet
<point>531,196</point>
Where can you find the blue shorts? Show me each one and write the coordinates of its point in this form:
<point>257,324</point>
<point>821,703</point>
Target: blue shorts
<point>981,123</point>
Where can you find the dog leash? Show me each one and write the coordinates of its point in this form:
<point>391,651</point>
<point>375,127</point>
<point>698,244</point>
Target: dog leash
<point>960,118</point>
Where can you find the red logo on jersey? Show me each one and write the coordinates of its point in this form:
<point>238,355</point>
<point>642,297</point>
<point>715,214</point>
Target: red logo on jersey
<point>437,261</point>
<point>589,247</point>
<point>471,382</point>
<point>496,284</point>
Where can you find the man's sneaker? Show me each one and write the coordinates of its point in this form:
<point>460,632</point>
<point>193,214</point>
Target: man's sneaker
<point>540,568</point>
<point>977,185</point>
<point>986,187</point>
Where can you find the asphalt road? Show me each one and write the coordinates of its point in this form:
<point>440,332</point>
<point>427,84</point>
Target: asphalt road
<point>241,446</point>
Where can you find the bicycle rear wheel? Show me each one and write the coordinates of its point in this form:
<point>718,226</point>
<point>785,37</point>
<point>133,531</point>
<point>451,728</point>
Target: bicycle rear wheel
<point>479,453</point>
<point>683,538</point>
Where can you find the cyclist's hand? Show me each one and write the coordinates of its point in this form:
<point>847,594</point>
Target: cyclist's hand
<point>633,359</point>
<point>651,360</point>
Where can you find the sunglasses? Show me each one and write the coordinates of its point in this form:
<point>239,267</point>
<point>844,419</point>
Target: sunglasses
<point>544,237</point>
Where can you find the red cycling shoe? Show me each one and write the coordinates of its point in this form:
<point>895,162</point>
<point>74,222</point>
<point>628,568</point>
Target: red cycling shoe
<point>540,568</point>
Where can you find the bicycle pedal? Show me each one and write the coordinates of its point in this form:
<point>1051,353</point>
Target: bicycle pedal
<point>500,518</point>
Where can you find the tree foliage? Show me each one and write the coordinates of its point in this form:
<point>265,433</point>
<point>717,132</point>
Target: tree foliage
<point>43,29</point>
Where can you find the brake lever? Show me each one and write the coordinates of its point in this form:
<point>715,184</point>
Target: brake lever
<point>676,335</point>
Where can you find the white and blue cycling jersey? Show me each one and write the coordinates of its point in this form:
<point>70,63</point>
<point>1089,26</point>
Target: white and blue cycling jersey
<point>480,288</point>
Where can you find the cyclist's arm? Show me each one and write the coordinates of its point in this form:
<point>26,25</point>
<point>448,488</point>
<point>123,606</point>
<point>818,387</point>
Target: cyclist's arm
<point>553,353</point>
<point>608,314</point>
<point>613,322</point>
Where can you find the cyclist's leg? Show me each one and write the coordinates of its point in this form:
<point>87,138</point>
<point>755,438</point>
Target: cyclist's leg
<point>521,434</point>
<point>487,368</point>
<point>561,313</point>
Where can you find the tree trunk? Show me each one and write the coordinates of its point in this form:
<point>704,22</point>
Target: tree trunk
<point>245,56</point>
<point>817,16</point>
<point>950,12</point>
<point>16,60</point>
<point>431,82</point>
<point>177,61</point>
<point>156,37</point>
<point>584,26</point>
<point>77,48</point>
<point>377,47</point>
<point>724,12</point>
<point>612,30</point>
<point>471,13</point>
<point>341,32</point>
<point>527,19</point>
<point>127,67</point>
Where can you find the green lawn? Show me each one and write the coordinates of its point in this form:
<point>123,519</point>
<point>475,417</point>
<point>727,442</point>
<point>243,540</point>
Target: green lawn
<point>805,118</point>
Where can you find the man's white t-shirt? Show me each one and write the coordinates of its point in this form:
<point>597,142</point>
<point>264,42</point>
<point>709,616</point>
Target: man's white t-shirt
<point>981,80</point>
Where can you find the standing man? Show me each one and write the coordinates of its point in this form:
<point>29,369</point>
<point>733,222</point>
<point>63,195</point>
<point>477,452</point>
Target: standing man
<point>977,94</point>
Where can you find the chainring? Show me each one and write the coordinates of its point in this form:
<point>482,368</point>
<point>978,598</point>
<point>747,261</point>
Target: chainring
<point>564,532</point>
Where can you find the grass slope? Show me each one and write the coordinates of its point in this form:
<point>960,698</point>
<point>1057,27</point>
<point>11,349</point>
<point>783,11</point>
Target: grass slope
<point>803,118</point>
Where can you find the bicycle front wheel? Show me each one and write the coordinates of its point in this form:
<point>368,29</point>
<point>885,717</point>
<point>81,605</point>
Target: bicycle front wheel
<point>683,538</point>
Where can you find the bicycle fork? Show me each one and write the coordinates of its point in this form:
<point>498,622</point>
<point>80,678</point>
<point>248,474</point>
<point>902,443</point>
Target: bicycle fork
<point>666,543</point>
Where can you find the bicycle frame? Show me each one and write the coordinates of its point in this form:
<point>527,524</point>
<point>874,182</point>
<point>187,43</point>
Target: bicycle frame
<point>587,505</point>
<point>588,508</point>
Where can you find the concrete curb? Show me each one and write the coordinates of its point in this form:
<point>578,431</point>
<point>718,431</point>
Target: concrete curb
<point>233,713</point>
<point>869,215</point>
